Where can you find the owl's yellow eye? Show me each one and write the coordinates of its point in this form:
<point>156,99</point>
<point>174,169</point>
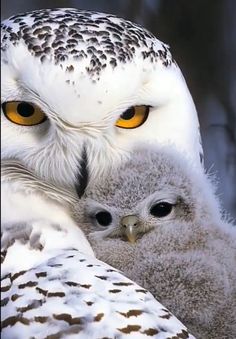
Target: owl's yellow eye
<point>133,117</point>
<point>23,113</point>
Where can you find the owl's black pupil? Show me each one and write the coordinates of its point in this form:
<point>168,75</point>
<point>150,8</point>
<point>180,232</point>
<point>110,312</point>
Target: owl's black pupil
<point>103,218</point>
<point>128,114</point>
<point>25,109</point>
<point>161,209</point>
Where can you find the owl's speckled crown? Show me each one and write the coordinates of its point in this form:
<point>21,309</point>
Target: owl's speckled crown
<point>104,39</point>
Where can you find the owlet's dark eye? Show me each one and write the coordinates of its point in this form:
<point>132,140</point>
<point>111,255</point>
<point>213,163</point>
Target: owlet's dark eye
<point>133,117</point>
<point>23,113</point>
<point>161,209</point>
<point>103,218</point>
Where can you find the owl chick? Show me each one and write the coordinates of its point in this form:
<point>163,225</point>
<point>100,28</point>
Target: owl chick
<point>178,247</point>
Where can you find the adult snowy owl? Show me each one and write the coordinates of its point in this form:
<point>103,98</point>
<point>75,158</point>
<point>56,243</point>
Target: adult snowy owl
<point>179,249</point>
<point>80,88</point>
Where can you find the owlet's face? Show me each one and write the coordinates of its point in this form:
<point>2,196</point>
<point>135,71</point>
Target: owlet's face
<point>108,220</point>
<point>147,192</point>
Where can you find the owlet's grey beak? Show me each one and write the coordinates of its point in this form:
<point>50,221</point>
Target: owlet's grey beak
<point>129,224</point>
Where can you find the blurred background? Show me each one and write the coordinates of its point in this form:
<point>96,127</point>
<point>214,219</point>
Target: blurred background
<point>202,36</point>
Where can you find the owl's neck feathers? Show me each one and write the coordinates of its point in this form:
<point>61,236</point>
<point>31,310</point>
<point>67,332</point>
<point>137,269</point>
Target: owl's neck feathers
<point>36,219</point>
<point>15,173</point>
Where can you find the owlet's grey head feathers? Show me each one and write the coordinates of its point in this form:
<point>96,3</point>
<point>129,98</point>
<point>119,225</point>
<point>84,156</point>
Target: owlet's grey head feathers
<point>154,188</point>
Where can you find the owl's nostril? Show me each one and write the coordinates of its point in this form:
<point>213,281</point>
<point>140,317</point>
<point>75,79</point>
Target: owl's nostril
<point>129,220</point>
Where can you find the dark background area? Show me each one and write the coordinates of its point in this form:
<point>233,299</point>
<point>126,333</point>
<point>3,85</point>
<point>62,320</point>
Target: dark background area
<point>202,36</point>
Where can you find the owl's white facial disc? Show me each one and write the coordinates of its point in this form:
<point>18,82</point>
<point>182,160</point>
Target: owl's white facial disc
<point>83,70</point>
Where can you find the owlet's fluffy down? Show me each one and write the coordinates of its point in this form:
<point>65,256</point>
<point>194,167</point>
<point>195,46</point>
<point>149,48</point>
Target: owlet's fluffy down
<point>180,248</point>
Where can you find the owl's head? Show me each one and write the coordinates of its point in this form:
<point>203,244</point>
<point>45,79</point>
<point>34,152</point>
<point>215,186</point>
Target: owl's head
<point>80,89</point>
<point>154,189</point>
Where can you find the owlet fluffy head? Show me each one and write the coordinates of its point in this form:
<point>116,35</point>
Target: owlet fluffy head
<point>154,188</point>
<point>80,89</point>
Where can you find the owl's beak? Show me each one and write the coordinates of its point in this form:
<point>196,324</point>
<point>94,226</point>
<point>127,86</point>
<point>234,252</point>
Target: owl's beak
<point>129,224</point>
<point>83,176</point>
